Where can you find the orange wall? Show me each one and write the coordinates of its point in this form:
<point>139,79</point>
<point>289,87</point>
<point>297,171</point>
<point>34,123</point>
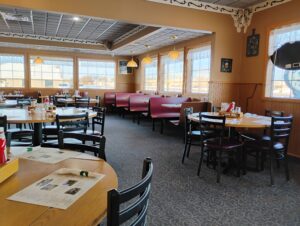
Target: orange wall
<point>124,83</point>
<point>254,68</point>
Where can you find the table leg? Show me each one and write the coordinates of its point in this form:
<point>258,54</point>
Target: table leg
<point>37,134</point>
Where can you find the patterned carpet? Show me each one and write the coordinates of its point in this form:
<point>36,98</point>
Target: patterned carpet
<point>179,197</point>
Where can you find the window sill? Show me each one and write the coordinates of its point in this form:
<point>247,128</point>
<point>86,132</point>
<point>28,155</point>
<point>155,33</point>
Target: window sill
<point>283,100</point>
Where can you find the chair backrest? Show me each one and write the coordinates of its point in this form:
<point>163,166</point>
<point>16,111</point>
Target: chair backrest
<point>187,122</point>
<point>100,118</point>
<point>69,123</point>
<point>197,107</point>
<point>55,98</point>
<point>138,208</point>
<point>98,147</point>
<point>281,130</point>
<point>156,104</point>
<point>23,102</point>
<point>82,102</point>
<point>122,99</point>
<point>139,103</point>
<point>271,113</point>
<point>109,98</point>
<point>212,122</point>
<point>3,122</point>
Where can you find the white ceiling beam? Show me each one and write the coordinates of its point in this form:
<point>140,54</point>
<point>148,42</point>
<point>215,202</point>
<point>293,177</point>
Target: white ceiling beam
<point>103,32</point>
<point>32,23</point>
<point>6,23</point>
<point>45,26</point>
<point>59,23</point>
<point>85,24</point>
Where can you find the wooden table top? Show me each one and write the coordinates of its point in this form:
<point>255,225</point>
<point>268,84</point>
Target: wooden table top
<point>247,121</point>
<point>90,209</point>
<point>17,115</point>
<point>8,103</point>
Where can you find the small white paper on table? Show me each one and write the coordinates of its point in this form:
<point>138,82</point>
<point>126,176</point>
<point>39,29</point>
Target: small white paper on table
<point>56,190</point>
<point>45,155</point>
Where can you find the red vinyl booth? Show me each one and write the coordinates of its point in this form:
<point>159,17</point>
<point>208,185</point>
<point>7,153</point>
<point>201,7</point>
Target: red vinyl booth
<point>109,99</point>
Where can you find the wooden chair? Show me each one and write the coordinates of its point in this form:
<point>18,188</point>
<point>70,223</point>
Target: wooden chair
<point>82,102</point>
<point>99,119</point>
<point>216,147</point>
<point>98,147</point>
<point>138,208</point>
<point>277,147</point>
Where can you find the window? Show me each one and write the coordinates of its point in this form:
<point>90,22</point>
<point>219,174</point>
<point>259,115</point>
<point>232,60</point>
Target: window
<point>52,73</point>
<point>95,74</point>
<point>199,69</point>
<point>150,76</point>
<point>282,83</point>
<point>12,70</point>
<point>172,73</point>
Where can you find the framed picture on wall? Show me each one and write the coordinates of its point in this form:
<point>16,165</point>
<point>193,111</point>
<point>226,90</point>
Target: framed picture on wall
<point>252,44</point>
<point>226,65</point>
<point>123,69</point>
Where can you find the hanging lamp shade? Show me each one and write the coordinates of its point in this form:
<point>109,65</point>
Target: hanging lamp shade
<point>132,63</point>
<point>38,60</point>
<point>147,60</point>
<point>174,54</point>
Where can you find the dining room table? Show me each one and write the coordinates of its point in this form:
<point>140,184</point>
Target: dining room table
<point>71,101</point>
<point>8,103</point>
<point>40,116</point>
<point>88,209</point>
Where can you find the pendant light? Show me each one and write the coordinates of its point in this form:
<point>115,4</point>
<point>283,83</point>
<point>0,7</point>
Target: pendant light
<point>132,63</point>
<point>147,59</point>
<point>38,60</point>
<point>174,54</point>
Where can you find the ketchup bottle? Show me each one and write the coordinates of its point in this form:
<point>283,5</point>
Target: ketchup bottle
<point>3,155</point>
<point>230,107</point>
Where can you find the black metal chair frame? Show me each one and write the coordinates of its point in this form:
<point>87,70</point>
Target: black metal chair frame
<point>115,216</point>
<point>206,123</point>
<point>99,119</point>
<point>82,102</point>
<point>98,147</point>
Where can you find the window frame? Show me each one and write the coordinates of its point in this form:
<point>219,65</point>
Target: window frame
<point>99,60</point>
<point>24,67</point>
<point>51,56</point>
<point>265,79</point>
<point>189,69</point>
<point>143,68</point>
<point>162,77</point>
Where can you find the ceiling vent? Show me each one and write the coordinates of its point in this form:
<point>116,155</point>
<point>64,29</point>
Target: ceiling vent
<point>15,17</point>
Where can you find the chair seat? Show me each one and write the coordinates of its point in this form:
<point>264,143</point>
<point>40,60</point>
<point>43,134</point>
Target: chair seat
<point>54,143</point>
<point>139,109</point>
<point>227,144</point>
<point>174,122</point>
<point>264,145</point>
<point>165,115</point>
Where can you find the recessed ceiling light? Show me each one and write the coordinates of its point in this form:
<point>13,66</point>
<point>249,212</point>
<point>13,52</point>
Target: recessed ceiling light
<point>76,18</point>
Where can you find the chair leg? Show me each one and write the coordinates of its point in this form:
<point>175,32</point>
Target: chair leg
<point>153,125</point>
<point>263,158</point>
<point>277,163</point>
<point>287,174</point>
<point>184,152</point>
<point>201,159</point>
<point>271,167</point>
<point>189,146</point>
<point>161,126</point>
<point>257,160</point>
<point>238,161</point>
<point>219,167</point>
<point>244,161</point>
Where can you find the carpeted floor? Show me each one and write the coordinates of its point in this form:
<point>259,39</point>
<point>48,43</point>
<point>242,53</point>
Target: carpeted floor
<point>180,197</point>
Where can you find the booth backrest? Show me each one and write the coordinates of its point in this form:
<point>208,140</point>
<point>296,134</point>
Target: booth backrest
<point>197,107</point>
<point>109,98</point>
<point>139,103</point>
<point>122,99</point>
<point>156,107</point>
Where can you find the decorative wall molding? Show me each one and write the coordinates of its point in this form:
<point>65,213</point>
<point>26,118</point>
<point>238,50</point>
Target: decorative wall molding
<point>48,38</point>
<point>241,17</point>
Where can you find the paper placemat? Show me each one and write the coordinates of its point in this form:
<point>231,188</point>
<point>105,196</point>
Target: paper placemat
<point>56,190</point>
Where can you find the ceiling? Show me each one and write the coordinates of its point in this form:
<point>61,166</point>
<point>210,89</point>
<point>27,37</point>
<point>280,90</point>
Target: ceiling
<point>64,32</point>
<point>234,3</point>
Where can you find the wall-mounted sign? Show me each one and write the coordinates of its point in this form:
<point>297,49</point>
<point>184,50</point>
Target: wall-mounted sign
<point>123,69</point>
<point>252,44</point>
<point>226,65</point>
